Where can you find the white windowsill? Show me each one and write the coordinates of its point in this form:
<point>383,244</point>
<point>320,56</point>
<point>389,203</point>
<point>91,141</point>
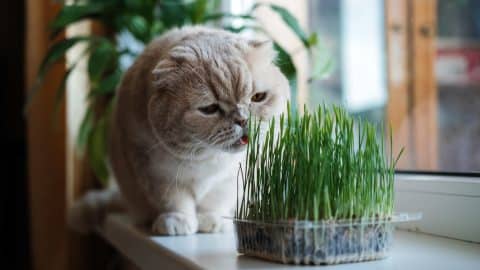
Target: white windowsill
<point>217,251</point>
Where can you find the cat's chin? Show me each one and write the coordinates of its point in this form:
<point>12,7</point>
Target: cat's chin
<point>236,147</point>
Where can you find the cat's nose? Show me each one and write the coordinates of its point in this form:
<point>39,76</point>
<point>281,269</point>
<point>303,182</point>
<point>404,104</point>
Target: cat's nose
<point>241,122</point>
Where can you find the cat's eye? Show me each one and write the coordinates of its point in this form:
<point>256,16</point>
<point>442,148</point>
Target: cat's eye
<point>210,109</point>
<point>259,97</point>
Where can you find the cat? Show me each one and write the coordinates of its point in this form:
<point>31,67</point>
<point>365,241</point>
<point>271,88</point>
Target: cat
<point>178,130</point>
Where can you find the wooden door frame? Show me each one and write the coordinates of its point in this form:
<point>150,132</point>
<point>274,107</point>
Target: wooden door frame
<point>412,104</point>
<point>46,146</point>
<point>423,84</point>
<point>57,175</point>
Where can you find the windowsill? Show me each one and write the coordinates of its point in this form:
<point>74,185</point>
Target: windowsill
<point>218,251</point>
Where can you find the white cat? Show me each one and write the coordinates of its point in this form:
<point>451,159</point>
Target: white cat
<point>178,132</point>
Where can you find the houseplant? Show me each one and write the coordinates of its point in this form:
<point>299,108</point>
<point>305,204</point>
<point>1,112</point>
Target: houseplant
<point>318,189</point>
<point>141,21</point>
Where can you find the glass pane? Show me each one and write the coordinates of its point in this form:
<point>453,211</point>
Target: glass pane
<point>355,43</point>
<point>458,80</point>
<point>353,35</point>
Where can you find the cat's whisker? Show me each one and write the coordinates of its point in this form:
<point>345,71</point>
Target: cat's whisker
<point>194,148</point>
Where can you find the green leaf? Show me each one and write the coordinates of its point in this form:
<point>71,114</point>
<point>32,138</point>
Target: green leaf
<point>157,28</point>
<point>285,63</point>
<point>102,57</point>
<point>134,4</point>
<point>97,150</point>
<point>313,39</point>
<point>235,29</point>
<point>85,129</point>
<point>289,20</point>
<point>107,85</point>
<point>174,13</point>
<point>226,15</point>
<point>197,10</point>
<point>60,93</point>
<point>56,52</point>
<point>70,14</point>
<point>138,27</point>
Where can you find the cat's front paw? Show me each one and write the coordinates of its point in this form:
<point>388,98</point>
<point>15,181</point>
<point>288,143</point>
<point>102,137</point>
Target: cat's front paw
<point>175,223</point>
<point>212,223</point>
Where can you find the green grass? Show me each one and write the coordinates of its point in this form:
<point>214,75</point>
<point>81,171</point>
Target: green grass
<point>318,166</point>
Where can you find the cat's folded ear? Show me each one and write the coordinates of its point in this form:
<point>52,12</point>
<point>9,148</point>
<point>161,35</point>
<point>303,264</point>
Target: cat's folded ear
<point>182,54</point>
<point>261,49</point>
<point>161,71</point>
<point>176,56</point>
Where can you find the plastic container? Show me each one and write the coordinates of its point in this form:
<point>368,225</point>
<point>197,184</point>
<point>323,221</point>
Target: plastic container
<point>323,242</point>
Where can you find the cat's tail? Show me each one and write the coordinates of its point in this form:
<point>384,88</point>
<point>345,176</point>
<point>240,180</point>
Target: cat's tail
<point>89,211</point>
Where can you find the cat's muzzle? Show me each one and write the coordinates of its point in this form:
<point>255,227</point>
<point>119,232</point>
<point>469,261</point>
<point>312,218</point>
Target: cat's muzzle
<point>241,142</point>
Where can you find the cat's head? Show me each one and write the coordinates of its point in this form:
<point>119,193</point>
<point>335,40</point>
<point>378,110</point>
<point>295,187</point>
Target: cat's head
<point>206,88</point>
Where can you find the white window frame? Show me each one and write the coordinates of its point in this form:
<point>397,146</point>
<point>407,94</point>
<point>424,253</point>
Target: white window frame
<point>450,204</point>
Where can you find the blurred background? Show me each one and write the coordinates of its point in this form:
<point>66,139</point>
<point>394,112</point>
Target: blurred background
<point>412,65</point>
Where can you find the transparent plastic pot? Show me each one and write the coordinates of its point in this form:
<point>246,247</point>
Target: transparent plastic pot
<point>321,242</point>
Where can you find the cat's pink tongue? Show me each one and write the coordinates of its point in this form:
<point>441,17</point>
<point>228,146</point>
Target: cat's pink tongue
<point>244,140</point>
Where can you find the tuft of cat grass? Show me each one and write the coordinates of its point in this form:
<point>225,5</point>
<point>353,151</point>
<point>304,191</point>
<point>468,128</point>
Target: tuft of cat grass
<point>319,166</point>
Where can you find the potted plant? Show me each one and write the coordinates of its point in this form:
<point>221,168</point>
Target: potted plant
<point>319,189</point>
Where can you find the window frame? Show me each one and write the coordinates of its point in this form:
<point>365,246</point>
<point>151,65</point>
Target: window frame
<point>450,203</point>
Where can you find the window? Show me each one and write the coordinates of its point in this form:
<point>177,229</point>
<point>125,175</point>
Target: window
<point>440,126</point>
<point>412,64</point>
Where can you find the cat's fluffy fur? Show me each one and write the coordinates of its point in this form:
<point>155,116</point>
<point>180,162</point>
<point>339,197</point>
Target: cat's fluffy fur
<point>175,164</point>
